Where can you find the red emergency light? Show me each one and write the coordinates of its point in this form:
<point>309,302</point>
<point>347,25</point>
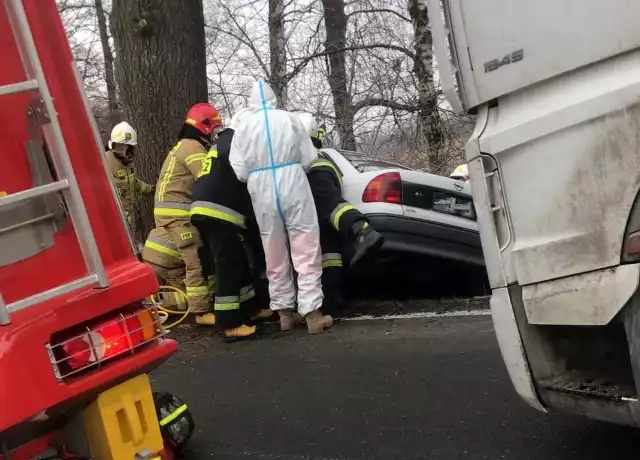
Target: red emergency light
<point>111,337</point>
<point>385,188</point>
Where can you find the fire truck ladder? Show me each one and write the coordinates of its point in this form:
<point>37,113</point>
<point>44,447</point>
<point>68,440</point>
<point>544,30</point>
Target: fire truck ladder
<point>66,183</point>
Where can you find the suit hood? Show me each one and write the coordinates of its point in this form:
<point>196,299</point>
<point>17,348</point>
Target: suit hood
<point>262,96</point>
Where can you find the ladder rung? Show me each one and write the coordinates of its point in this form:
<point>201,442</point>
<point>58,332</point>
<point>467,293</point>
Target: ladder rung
<point>46,189</point>
<point>21,87</point>
<point>33,221</point>
<point>51,293</point>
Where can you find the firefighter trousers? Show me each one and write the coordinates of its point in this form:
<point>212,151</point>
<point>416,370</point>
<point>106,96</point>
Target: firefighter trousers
<point>187,240</point>
<point>235,298</point>
<point>173,278</point>
<point>257,263</point>
<point>208,269</point>
<point>331,243</point>
<point>333,210</point>
<point>174,300</point>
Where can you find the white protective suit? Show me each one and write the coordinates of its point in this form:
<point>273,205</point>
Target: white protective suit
<point>271,150</point>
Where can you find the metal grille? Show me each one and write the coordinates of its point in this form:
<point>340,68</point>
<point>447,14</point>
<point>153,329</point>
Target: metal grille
<point>99,348</point>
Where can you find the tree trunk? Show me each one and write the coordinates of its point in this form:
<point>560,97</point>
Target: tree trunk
<point>110,79</point>
<point>429,119</point>
<point>278,51</point>
<point>335,21</point>
<point>161,72</point>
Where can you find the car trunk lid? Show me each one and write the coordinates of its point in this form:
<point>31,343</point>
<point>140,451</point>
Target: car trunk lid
<point>437,198</point>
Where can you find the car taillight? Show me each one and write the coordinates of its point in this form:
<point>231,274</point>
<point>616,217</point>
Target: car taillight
<point>386,188</point>
<point>107,339</point>
<point>632,248</point>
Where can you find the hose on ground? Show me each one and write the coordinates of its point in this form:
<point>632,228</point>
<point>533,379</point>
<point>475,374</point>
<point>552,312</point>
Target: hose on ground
<point>165,313</point>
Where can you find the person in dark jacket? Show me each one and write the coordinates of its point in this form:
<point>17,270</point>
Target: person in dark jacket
<point>221,211</point>
<point>340,222</point>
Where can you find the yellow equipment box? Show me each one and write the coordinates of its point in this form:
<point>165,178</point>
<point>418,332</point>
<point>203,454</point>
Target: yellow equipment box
<point>121,424</point>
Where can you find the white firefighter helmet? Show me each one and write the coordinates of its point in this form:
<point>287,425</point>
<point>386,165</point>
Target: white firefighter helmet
<point>461,172</point>
<point>310,123</point>
<point>123,133</point>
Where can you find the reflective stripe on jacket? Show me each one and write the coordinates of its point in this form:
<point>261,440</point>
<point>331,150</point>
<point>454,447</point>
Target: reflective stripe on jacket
<point>174,188</point>
<point>321,163</point>
<point>218,193</point>
<point>217,211</point>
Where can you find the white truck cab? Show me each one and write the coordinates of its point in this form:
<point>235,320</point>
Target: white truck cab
<point>554,162</point>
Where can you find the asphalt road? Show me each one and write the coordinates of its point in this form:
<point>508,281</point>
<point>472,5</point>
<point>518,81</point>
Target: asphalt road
<point>382,389</point>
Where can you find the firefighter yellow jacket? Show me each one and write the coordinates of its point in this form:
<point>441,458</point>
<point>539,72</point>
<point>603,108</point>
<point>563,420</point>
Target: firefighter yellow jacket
<point>173,191</point>
<point>127,184</point>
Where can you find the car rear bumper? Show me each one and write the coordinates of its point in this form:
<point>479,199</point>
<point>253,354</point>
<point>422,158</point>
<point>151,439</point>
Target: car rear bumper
<point>405,234</point>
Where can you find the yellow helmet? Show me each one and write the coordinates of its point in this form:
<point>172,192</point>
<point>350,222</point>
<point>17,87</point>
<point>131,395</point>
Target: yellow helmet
<point>461,172</point>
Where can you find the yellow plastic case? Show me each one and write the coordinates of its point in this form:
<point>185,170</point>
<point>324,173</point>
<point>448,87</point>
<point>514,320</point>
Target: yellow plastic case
<point>121,424</point>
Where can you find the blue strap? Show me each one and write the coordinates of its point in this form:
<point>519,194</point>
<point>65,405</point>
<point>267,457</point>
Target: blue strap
<point>270,145</point>
<point>272,167</point>
<point>277,166</point>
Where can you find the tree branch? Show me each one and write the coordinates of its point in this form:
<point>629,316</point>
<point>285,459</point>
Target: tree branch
<point>64,7</point>
<point>379,10</point>
<point>305,60</point>
<point>249,44</point>
<point>246,40</point>
<point>377,102</point>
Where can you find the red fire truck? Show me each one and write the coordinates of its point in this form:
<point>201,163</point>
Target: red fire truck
<point>78,328</point>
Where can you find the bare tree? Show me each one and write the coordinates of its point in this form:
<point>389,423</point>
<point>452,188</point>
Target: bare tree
<point>278,51</point>
<point>107,54</point>
<point>161,72</point>
<point>429,121</point>
<point>80,21</point>
<point>365,67</point>
<point>335,44</point>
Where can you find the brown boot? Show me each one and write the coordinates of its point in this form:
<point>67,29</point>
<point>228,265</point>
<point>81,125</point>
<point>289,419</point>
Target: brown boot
<point>286,320</point>
<point>317,323</point>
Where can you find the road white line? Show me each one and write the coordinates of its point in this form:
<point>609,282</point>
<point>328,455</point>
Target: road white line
<point>423,314</point>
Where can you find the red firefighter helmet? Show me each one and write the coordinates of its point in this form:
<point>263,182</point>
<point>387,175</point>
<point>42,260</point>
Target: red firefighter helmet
<point>204,117</point>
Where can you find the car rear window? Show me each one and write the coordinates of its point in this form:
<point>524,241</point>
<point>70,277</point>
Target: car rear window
<point>453,204</point>
<point>365,164</point>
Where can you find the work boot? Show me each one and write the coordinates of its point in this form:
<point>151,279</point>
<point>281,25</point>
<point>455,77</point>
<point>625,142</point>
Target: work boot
<point>298,319</point>
<point>266,315</point>
<point>317,322</point>
<point>205,319</point>
<point>366,241</point>
<point>287,320</point>
<point>243,332</point>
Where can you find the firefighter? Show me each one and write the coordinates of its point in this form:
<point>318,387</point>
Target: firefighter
<point>173,202</point>
<point>221,204</point>
<point>339,221</point>
<point>163,256</point>
<point>460,173</point>
<point>122,146</point>
<point>271,152</point>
